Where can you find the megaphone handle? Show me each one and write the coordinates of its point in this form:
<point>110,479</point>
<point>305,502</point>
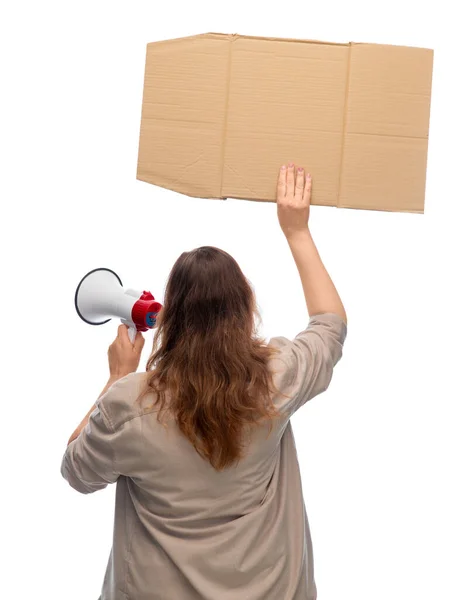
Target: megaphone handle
<point>132,334</point>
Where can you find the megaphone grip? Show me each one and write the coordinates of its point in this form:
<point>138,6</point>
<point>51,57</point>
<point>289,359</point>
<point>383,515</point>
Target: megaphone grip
<point>132,334</point>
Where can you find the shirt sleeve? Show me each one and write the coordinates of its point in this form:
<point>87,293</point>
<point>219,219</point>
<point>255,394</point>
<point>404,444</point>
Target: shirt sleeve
<point>308,360</point>
<point>89,462</point>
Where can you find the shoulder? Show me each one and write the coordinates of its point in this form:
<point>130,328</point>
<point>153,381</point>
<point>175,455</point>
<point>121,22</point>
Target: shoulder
<point>321,327</point>
<point>324,336</point>
<point>119,404</point>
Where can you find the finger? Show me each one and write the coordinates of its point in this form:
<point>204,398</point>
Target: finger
<point>282,182</point>
<point>290,180</point>
<point>307,189</point>
<point>299,186</point>
<point>123,332</point>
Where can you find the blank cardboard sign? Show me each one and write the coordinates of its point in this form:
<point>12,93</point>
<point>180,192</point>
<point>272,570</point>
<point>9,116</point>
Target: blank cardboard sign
<point>221,113</point>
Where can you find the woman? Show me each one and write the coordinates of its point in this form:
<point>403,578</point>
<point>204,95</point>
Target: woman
<point>209,501</point>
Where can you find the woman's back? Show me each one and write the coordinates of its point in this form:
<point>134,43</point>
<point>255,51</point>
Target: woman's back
<point>184,529</point>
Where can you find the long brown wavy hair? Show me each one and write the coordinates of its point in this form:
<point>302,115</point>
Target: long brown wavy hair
<point>207,356</point>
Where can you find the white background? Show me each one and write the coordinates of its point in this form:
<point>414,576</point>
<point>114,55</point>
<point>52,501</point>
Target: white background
<point>379,451</point>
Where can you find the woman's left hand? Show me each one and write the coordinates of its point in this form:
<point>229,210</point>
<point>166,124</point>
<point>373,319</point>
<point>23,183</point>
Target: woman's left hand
<point>124,356</point>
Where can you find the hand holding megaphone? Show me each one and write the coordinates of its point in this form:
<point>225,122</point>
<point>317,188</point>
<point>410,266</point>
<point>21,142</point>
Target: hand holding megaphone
<point>100,296</point>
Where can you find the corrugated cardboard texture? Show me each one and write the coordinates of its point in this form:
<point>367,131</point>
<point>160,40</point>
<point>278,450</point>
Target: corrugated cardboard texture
<point>221,113</point>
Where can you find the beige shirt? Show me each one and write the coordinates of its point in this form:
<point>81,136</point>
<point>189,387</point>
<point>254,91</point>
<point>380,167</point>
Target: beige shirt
<point>182,530</point>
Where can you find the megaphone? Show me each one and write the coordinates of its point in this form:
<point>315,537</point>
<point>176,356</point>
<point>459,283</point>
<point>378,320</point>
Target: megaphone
<point>100,296</point>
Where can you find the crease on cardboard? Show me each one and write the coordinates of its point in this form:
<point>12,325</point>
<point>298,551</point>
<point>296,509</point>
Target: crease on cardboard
<point>343,136</point>
<point>392,135</point>
<point>226,114</point>
<point>184,169</point>
<point>243,181</point>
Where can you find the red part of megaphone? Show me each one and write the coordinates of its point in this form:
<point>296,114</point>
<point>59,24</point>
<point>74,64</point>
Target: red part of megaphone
<point>145,311</point>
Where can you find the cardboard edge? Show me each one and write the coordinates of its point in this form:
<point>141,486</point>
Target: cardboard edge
<point>187,39</point>
<point>391,45</point>
<point>141,116</point>
<point>430,99</point>
<point>164,187</point>
<point>235,36</point>
<point>389,210</point>
<point>268,201</point>
<point>241,198</point>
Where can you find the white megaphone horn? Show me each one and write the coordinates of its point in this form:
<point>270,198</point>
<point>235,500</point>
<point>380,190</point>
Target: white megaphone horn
<point>100,296</point>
